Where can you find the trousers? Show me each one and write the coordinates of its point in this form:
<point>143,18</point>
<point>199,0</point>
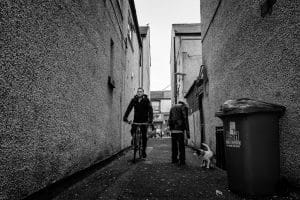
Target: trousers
<point>178,147</point>
<point>144,135</point>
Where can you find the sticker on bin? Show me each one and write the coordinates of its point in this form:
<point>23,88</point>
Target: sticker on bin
<point>233,136</point>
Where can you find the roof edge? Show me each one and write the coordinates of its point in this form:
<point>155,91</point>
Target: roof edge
<point>176,24</point>
<point>136,23</point>
<point>190,89</point>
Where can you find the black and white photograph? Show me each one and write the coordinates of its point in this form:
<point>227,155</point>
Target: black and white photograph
<point>149,100</point>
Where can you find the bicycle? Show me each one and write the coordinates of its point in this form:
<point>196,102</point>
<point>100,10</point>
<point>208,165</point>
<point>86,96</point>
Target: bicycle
<point>137,140</point>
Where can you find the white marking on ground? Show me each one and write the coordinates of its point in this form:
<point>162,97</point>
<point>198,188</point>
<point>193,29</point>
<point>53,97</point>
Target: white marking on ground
<point>148,162</point>
<point>149,149</point>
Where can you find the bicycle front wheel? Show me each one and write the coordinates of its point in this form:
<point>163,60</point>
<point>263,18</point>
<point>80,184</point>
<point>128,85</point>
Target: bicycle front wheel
<point>140,146</point>
<point>135,145</point>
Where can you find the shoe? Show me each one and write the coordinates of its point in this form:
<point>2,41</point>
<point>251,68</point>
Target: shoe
<point>144,155</point>
<point>175,161</point>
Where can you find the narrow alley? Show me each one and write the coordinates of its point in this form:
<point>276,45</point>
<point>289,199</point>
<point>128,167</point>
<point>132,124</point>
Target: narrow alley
<point>79,78</point>
<point>154,178</point>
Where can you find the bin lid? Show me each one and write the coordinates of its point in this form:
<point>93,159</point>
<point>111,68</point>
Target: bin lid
<point>245,105</point>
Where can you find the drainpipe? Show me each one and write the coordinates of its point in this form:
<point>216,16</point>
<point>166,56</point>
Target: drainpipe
<point>142,67</point>
<point>175,70</point>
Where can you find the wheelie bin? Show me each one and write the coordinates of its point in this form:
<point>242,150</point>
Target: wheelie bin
<point>251,145</point>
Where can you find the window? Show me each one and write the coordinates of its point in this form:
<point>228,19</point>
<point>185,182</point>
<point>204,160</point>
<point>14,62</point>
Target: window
<point>130,28</point>
<point>155,106</point>
<point>165,105</point>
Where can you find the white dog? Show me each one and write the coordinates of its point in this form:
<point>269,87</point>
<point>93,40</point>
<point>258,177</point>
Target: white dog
<point>206,156</point>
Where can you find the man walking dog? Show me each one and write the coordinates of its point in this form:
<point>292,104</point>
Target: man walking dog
<point>178,123</point>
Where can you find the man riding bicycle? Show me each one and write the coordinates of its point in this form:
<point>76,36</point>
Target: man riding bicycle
<point>143,113</point>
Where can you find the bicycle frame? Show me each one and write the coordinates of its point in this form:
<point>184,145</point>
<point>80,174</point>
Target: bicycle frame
<point>137,140</point>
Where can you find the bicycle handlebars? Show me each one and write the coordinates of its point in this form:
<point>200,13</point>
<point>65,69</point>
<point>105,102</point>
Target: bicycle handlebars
<point>140,123</point>
<point>136,123</point>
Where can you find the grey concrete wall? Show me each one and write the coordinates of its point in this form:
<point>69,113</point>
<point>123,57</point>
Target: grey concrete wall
<point>192,60</point>
<point>146,63</point>
<point>186,46</point>
<point>181,63</point>
<point>255,57</point>
<point>58,114</point>
<point>174,45</point>
<point>189,60</point>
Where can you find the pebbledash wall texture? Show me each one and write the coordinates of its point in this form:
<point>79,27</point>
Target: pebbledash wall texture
<point>58,112</point>
<point>248,55</point>
<point>131,76</point>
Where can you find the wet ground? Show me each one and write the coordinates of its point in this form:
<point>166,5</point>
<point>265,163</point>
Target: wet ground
<point>156,178</point>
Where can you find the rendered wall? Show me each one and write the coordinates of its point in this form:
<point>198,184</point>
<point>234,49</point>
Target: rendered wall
<point>248,55</point>
<point>146,63</point>
<point>58,114</point>
<point>191,61</point>
<point>131,75</point>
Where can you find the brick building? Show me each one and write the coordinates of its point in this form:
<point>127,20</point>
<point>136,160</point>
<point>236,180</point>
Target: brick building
<point>68,71</point>
<point>250,51</point>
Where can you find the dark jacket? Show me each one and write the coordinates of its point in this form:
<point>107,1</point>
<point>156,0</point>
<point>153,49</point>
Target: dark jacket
<point>143,111</point>
<point>178,118</point>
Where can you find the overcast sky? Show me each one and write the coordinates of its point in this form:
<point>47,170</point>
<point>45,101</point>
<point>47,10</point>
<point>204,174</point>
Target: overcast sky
<point>160,15</point>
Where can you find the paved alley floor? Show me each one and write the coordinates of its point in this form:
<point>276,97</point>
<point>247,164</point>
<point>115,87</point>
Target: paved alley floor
<point>154,178</point>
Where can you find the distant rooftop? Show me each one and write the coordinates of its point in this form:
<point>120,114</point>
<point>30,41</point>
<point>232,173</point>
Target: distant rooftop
<point>187,28</point>
<point>156,95</point>
<point>144,30</point>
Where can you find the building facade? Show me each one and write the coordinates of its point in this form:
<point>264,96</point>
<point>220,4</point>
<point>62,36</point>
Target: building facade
<point>134,63</point>
<point>185,59</point>
<point>161,104</point>
<point>68,71</point>
<point>146,60</point>
<point>250,50</point>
